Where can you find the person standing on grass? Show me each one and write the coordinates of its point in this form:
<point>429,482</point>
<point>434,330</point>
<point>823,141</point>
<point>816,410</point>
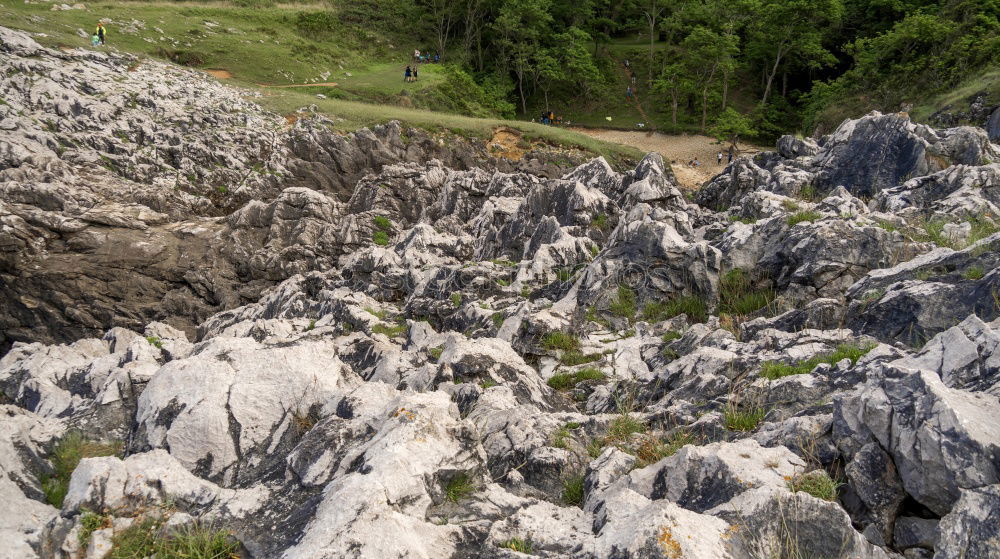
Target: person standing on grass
<point>407,74</point>
<point>100,32</point>
<point>416,75</point>
<point>719,158</point>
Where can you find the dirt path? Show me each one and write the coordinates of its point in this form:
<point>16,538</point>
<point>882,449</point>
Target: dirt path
<point>678,150</point>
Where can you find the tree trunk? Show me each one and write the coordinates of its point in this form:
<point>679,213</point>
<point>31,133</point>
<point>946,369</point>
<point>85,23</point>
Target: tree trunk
<point>520,89</point>
<point>704,107</point>
<point>673,108</point>
<point>770,77</point>
<point>784,84</point>
<point>725,89</point>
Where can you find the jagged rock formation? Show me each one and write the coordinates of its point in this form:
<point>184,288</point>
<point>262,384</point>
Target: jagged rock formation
<point>442,358</point>
<point>124,188</point>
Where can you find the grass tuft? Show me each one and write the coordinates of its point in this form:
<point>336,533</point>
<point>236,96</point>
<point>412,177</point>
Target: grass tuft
<point>66,455</point>
<point>390,331</point>
<point>742,418</point>
<point>773,370</point>
<point>572,493</point>
<point>565,381</point>
<point>381,238</point>
<point>694,307</point>
<point>146,538</point>
<point>816,483</point>
<point>800,217</point>
<point>624,305</point>
<point>459,487</point>
<point>560,340</point>
<point>518,544</point>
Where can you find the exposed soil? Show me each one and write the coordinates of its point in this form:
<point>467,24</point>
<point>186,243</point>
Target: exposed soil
<point>219,73</point>
<point>677,149</point>
<point>506,143</point>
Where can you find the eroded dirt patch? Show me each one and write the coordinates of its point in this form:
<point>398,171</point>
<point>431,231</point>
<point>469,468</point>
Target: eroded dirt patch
<point>507,143</point>
<point>219,73</point>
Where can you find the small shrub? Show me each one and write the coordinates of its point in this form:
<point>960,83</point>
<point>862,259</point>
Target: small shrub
<point>381,238</point>
<point>800,217</point>
<point>816,483</point>
<point>155,342</point>
<point>572,493</point>
<point>595,447</point>
<point>65,457</point>
<point>517,544</point>
<point>742,418</point>
<point>739,295</point>
<point>497,319</point>
<point>624,305</point>
<point>653,450</point>
<point>456,299</point>
<point>594,249</point>
<point>312,324</point>
<point>572,425</point>
<point>670,354</point>
<point>695,308</point>
<point>458,488</point>
<point>379,314</point>
<point>671,336</point>
<point>502,282</point>
<point>383,223</point>
<point>561,381</point>
<point>488,383</point>
<point>304,420</point>
<point>560,340</point>
<point>560,436</point>
<point>974,273</point>
<point>790,205</point>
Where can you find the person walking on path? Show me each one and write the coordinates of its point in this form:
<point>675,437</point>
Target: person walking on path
<point>730,154</point>
<point>719,158</point>
<point>100,32</point>
<point>407,74</point>
<point>416,55</point>
<point>628,93</point>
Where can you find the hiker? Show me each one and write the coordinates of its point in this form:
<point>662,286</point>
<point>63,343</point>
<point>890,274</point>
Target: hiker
<point>416,76</point>
<point>627,66</point>
<point>719,158</point>
<point>95,40</point>
<point>730,154</point>
<point>696,162</point>
<point>100,32</point>
<point>628,93</point>
<point>416,55</point>
<point>407,74</point>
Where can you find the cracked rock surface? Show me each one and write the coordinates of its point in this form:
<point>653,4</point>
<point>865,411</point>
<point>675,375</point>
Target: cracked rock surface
<point>390,345</point>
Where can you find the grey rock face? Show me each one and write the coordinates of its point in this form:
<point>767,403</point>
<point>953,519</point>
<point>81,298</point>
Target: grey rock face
<point>391,344</point>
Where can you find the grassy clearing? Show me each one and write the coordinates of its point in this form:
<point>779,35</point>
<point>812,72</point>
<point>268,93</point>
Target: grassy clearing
<point>773,370</point>
<point>66,456</point>
<point>988,81</point>
<point>284,44</point>
<point>816,483</point>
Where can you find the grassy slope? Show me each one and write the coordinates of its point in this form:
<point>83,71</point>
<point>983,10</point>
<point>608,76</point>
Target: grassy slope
<point>263,46</point>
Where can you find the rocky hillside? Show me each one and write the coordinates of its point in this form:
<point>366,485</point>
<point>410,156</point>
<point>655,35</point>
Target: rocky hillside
<point>407,348</point>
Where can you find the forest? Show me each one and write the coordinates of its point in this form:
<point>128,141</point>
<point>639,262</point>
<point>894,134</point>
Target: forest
<point>760,66</point>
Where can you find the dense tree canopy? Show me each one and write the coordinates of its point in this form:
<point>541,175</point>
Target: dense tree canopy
<point>783,62</point>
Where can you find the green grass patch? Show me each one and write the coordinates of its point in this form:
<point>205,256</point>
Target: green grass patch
<point>574,357</point>
<point>773,370</point>
<point>694,307</point>
<point>600,222</point>
<point>459,487</point>
<point>381,238</point>
<point>653,450</point>
<point>66,455</point>
<point>740,295</point>
<point>623,427</point>
<point>435,352</point>
<point>560,340</point>
<point>817,483</point>
<point>565,381</point>
<point>518,544</point>
<point>974,273</point>
<point>624,304</point>
<point>146,538</point>
<point>456,299</point>
<point>391,331</point>
<point>742,418</point>
<point>572,493</point>
<point>671,336</point>
<point>800,217</point>
<point>155,342</point>
<point>89,523</point>
<point>383,223</point>
<point>488,383</point>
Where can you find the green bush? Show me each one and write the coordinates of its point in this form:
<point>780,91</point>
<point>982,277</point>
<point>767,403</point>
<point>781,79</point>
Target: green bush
<point>600,222</point>
<point>315,25</point>
<point>383,223</point>
<point>381,238</point>
<point>435,352</point>
<point>66,455</point>
<point>456,299</point>
<point>816,483</point>
<point>774,370</point>
<point>155,342</point>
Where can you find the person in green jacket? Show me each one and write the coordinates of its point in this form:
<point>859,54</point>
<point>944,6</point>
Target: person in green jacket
<point>100,32</point>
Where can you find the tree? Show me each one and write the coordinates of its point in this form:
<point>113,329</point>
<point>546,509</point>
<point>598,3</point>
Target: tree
<point>787,27</point>
<point>673,81</point>
<point>444,15</point>
<point>519,26</point>
<point>730,126</point>
<point>705,53</point>
<point>652,10</point>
